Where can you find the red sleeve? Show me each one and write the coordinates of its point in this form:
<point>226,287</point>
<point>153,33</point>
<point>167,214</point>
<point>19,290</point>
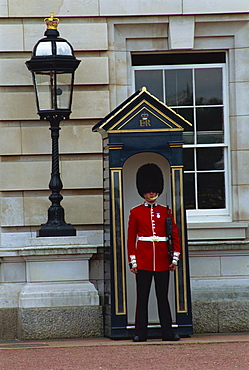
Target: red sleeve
<point>132,235</point>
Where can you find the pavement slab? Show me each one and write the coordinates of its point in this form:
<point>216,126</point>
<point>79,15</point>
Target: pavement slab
<point>198,352</point>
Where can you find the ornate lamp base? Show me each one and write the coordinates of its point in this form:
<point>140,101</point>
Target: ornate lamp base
<point>57,230</point>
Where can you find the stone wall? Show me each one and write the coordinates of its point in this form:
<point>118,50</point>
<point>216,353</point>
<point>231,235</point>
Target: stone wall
<point>219,286</point>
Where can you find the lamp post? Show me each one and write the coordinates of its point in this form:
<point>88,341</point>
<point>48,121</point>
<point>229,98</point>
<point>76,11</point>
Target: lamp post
<point>53,65</point>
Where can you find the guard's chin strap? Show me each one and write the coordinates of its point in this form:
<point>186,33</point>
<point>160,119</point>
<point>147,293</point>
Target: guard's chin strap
<point>154,198</point>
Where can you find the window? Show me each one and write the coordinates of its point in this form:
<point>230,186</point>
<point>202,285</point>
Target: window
<point>197,91</point>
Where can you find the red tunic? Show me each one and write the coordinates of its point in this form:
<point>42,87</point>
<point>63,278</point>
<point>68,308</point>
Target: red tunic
<point>148,221</point>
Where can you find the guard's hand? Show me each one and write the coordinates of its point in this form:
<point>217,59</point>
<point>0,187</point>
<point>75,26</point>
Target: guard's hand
<point>172,267</point>
<point>134,270</point>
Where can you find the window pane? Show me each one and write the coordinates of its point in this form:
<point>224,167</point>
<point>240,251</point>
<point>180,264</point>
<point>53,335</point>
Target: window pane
<point>152,80</point>
<point>189,190</point>
<point>209,123</point>
<point>179,87</point>
<point>188,159</point>
<point>188,133</point>
<point>208,86</point>
<point>210,159</point>
<point>211,190</point>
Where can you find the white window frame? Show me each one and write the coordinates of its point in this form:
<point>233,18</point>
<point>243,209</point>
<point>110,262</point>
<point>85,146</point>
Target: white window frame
<point>205,215</point>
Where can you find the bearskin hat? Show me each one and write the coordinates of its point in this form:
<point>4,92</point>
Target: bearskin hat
<point>149,178</point>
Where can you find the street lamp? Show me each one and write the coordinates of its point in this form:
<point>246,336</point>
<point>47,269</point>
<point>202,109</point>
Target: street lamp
<point>53,65</point>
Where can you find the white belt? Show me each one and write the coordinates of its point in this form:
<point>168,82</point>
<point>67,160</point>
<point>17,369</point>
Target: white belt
<point>153,238</point>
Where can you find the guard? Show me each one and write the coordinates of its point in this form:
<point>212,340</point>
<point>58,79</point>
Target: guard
<point>148,251</point>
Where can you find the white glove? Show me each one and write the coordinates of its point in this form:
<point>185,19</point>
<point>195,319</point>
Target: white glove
<point>133,263</point>
<point>175,259</point>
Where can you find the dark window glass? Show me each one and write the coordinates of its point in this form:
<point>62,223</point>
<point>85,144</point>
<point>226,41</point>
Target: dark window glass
<point>152,80</point>
<point>210,159</point>
<point>179,58</point>
<point>209,125</point>
<point>188,159</point>
<point>189,190</point>
<point>179,87</point>
<point>211,190</point>
<point>188,133</point>
<point>208,86</point>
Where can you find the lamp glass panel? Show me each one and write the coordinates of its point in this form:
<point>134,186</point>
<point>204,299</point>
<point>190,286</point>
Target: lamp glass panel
<point>44,48</point>
<point>64,90</point>
<point>63,48</point>
<point>45,87</point>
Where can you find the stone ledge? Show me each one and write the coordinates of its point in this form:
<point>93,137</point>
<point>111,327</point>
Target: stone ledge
<point>219,289</point>
<point>217,230</point>
<point>51,246</point>
<point>218,245</point>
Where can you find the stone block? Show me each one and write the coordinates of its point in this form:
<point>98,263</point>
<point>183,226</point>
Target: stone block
<point>149,44</point>
<point>79,209</point>
<point>241,65</point>
<point>92,71</point>
<point>4,8</point>
<point>82,36</point>
<point>121,68</point>
<point>11,37</point>
<point>10,140</point>
<point>13,272</point>
<point>67,8</point>
<point>84,209</point>
<point>242,173</point>
<point>210,7</point>
<point>60,270</point>
<point>96,268</point>
<point>12,211</point>
<point>113,7</point>
<point>239,128</point>
<point>235,265</point>
<point>9,294</point>
<point>59,323</point>
<point>36,139</point>
<point>35,210</point>
<point>204,266</point>
<point>241,36</point>
<point>58,294</point>
<point>8,323</point>
<point>243,195</point>
<point>85,174</point>
<point>15,239</point>
<point>24,107</point>
<point>241,105</point>
<point>181,32</point>
<point>90,104</point>
<point>205,317</point>
<point>233,316</point>
<point>24,175</point>
<point>214,43</point>
<point>217,231</point>
<point>79,139</point>
<point>14,72</point>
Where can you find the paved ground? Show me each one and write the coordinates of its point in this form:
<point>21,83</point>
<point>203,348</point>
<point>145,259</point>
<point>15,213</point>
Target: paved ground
<point>200,352</point>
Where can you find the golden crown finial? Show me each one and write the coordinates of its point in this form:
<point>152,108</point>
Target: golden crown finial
<point>51,22</point>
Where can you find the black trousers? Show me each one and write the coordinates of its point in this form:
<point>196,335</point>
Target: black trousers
<point>143,281</point>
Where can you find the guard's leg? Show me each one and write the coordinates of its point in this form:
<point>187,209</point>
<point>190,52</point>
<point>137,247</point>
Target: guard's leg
<point>143,280</point>
<point>162,287</point>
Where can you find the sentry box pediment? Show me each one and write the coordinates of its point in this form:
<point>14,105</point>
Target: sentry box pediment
<point>142,113</point>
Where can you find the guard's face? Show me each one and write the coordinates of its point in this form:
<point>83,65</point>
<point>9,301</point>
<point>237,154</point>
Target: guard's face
<point>150,197</point>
